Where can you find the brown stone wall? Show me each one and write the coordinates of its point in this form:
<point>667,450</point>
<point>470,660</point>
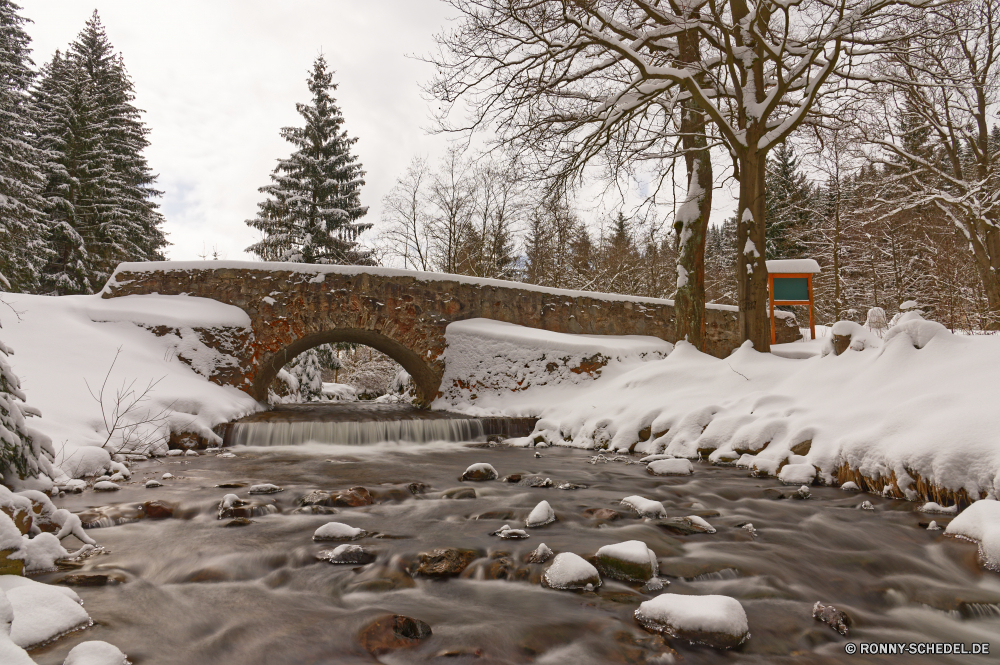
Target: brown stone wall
<point>401,315</point>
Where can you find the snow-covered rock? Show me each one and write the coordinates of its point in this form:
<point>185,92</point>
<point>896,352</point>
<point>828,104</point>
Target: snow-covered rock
<point>41,611</point>
<point>151,484</point>
<point>167,476</point>
<point>480,471</point>
<point>850,486</point>
<point>347,554</point>
<point>645,507</point>
<point>717,621</point>
<point>933,507</point>
<point>541,554</point>
<point>630,561</point>
<point>265,488</point>
<point>95,653</point>
<point>797,474</point>
<point>106,486</point>
<point>541,515</point>
<point>338,531</point>
<point>571,571</point>
<point>670,467</point>
<point>980,522</point>
<point>508,533</point>
<point>701,522</point>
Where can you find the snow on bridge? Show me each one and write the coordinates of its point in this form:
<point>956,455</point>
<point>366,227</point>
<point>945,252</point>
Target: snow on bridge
<point>294,307</point>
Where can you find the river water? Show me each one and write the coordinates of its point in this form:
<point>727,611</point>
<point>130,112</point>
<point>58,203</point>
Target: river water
<point>197,591</point>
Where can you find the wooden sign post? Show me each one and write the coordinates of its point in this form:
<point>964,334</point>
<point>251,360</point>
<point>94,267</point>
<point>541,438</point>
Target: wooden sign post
<point>790,282</point>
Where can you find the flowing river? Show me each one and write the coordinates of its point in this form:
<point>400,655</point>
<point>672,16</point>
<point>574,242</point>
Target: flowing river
<point>193,590</point>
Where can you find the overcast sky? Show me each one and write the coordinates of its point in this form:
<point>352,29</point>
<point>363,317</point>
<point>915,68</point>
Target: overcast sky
<point>217,79</point>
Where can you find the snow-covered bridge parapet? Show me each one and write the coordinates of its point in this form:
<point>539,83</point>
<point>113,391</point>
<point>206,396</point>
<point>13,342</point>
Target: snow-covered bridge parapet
<point>294,307</point>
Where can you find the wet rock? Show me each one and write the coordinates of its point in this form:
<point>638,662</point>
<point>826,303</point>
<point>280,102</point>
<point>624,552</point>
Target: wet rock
<point>630,561</point>
<point>353,498</point>
<point>392,632</point>
<point>541,515</point>
<point>834,618</point>
<point>571,571</point>
<point>315,510</point>
<point>602,514</point>
<point>536,481</point>
<point>232,506</point>
<point>417,488</point>
<point>774,494</point>
<point>239,521</point>
<point>508,533</point>
<point>265,488</point>
<point>512,478</point>
<point>158,510</point>
<point>107,516</point>
<point>443,562</point>
<point>686,526</point>
<point>802,493</point>
<point>866,505</point>
<point>338,531</point>
<point>459,493</point>
<point>347,554</point>
<point>496,515</point>
<point>9,566</point>
<point>480,472</point>
<point>91,579</point>
<point>571,486</point>
<point>500,568</point>
<point>715,621</point>
<point>541,554</point>
<point>312,498</point>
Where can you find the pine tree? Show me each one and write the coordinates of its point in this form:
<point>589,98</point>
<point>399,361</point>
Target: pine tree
<point>98,186</point>
<point>788,202</point>
<point>308,369</point>
<point>313,206</point>
<point>22,246</point>
<point>20,449</point>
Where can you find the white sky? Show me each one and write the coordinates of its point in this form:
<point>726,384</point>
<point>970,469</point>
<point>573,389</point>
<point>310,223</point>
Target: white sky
<point>217,79</point>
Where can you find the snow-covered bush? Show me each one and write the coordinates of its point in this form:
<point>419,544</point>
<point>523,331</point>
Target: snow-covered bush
<point>23,452</point>
<point>370,372</point>
<point>284,389</point>
<point>876,321</point>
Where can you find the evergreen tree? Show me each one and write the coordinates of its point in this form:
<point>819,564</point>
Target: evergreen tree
<point>98,187</point>
<point>789,197</point>
<point>313,206</point>
<point>22,246</point>
<point>308,369</point>
<point>21,451</point>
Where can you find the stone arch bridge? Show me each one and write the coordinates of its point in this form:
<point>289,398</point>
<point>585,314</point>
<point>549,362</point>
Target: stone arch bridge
<point>294,307</point>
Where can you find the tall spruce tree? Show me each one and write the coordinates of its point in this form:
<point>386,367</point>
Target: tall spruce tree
<point>99,195</point>
<point>22,246</point>
<point>788,205</point>
<point>313,206</point>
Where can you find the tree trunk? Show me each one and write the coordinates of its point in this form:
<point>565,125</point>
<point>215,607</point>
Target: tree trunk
<point>692,218</point>
<point>987,255</point>
<point>754,324</point>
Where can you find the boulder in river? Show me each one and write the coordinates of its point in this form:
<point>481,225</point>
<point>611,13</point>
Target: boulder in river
<point>541,515</point>
<point>443,562</point>
<point>834,618</point>
<point>507,533</point>
<point>158,510</point>
<point>571,571</point>
<point>459,493</point>
<point>630,561</point>
<point>480,472</point>
<point>391,632</point>
<point>716,621</point>
<point>353,498</point>
<point>541,554</point>
<point>338,531</point>
<point>602,514</point>
<point>347,554</point>
<point>91,579</point>
<point>645,507</point>
<point>265,488</point>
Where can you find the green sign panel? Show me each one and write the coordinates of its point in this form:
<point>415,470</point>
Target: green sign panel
<point>791,288</point>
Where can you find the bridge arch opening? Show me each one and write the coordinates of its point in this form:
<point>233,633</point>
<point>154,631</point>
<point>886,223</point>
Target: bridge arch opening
<point>425,380</point>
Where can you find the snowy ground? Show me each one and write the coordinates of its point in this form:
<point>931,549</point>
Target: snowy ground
<point>915,410</point>
<point>63,344</point>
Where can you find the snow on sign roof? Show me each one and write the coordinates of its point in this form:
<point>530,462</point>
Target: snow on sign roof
<point>792,266</point>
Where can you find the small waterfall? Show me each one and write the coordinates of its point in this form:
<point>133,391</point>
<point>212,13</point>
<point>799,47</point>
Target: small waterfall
<point>354,433</point>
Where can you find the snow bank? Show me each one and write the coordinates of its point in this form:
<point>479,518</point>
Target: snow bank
<point>486,361</point>
<point>882,413</point>
<point>42,612</point>
<point>62,343</point>
<point>981,522</point>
